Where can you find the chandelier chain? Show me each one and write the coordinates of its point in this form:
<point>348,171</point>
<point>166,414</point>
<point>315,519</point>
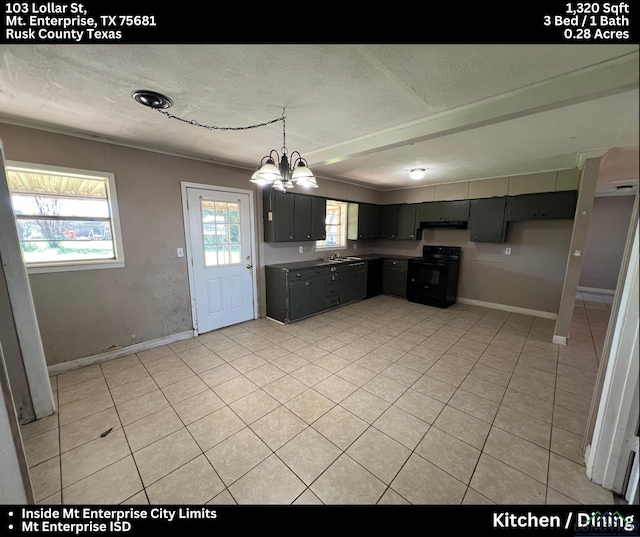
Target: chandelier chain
<point>214,127</point>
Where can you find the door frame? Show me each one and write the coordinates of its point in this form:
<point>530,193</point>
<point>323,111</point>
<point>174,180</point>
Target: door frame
<point>184,185</point>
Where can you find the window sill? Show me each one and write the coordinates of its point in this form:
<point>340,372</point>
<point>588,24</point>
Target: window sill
<point>70,267</point>
<point>330,248</point>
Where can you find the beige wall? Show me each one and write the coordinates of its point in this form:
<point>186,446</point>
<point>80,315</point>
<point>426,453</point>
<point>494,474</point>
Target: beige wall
<point>530,278</point>
<point>84,313</point>
<point>606,239</point>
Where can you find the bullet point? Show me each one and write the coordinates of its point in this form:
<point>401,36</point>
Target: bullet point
<point>10,513</point>
<point>10,526</point>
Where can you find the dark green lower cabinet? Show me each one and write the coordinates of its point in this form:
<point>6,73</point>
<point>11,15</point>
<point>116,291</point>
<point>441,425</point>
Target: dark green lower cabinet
<point>306,293</point>
<point>306,297</point>
<point>317,294</point>
<point>394,277</point>
<point>299,303</point>
<point>295,294</point>
<point>353,282</point>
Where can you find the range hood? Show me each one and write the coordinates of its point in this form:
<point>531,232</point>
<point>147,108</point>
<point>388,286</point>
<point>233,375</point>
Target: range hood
<point>444,224</point>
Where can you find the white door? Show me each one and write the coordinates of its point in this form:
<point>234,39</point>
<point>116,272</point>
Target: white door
<point>221,251</point>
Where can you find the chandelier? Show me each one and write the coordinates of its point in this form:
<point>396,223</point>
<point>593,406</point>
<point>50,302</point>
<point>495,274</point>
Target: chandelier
<point>283,172</point>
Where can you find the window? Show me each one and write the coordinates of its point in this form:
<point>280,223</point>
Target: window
<point>336,227</point>
<point>221,233</point>
<point>66,219</point>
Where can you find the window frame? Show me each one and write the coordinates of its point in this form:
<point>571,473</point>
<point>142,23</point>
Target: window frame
<point>112,201</point>
<point>343,225</point>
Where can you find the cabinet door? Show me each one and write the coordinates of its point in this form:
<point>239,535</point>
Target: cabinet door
<point>369,221</point>
<point>487,220</point>
<point>299,301</point>
<point>318,218</point>
<point>558,205</point>
<point>455,210</point>
<point>317,292</point>
<point>394,278</point>
<point>359,283</point>
<point>353,283</point>
<point>388,221</point>
<point>346,286</point>
<point>523,207</point>
<point>406,221</point>
<point>434,211</point>
<point>428,211</point>
<point>283,214</point>
<point>374,277</point>
<point>302,212</point>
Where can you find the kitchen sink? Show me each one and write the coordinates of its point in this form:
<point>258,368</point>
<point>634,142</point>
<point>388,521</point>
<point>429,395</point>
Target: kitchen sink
<point>341,260</point>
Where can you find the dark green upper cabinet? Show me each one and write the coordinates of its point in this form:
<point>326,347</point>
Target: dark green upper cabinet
<point>389,221</point>
<point>310,215</point>
<point>524,207</point>
<point>279,216</point>
<point>398,222</point>
<point>436,211</point>
<point>318,218</point>
<point>546,205</point>
<point>364,221</point>
<point>370,221</point>
<point>302,218</point>
<point>406,226</point>
<point>558,205</point>
<point>487,220</point>
<point>293,217</point>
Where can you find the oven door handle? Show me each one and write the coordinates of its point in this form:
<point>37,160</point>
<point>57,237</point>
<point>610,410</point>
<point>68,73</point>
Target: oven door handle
<point>429,264</point>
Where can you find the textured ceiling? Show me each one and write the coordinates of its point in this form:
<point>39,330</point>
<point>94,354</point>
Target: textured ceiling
<point>364,114</point>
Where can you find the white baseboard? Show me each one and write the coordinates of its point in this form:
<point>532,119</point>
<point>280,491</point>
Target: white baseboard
<point>596,290</point>
<point>505,307</point>
<point>64,367</point>
<point>559,340</point>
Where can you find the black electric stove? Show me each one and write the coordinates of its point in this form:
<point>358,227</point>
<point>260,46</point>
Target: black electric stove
<point>433,278</point>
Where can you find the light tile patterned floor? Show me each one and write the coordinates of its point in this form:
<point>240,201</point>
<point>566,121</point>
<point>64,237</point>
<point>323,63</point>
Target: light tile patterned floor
<point>378,402</point>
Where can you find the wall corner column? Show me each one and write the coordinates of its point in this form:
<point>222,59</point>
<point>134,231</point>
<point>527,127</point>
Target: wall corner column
<point>584,206</point>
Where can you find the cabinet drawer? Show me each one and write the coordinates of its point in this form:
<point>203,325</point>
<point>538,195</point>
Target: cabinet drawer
<point>331,279</point>
<point>332,290</point>
<point>298,274</point>
<point>332,301</point>
<point>317,272</point>
<point>400,263</point>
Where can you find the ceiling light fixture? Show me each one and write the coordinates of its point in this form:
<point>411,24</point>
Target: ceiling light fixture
<point>276,170</point>
<point>280,176</point>
<point>152,99</point>
<point>417,173</point>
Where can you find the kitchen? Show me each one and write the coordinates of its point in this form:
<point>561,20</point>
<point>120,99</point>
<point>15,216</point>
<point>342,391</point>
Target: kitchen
<point>488,277</point>
<point>136,313</point>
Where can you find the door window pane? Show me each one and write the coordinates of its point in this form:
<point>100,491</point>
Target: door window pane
<point>221,232</point>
